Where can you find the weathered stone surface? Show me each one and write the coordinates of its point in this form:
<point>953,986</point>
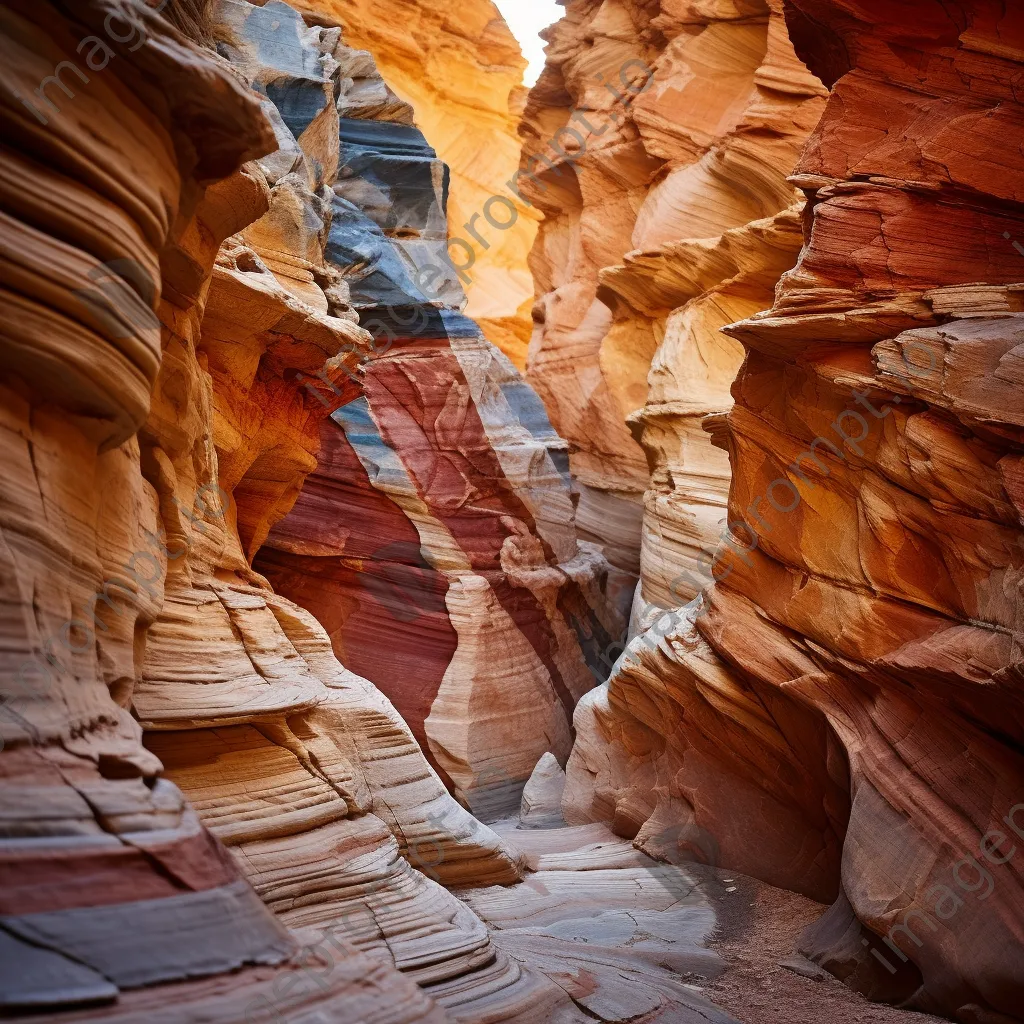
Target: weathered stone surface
<point>218,275</point>
<point>436,538</point>
<point>658,144</point>
<point>113,208</point>
<point>610,926</point>
<point>460,71</point>
<point>838,713</point>
<point>157,428</point>
<point>542,795</point>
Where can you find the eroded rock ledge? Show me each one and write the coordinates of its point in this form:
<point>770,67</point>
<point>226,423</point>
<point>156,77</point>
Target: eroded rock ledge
<point>839,712</point>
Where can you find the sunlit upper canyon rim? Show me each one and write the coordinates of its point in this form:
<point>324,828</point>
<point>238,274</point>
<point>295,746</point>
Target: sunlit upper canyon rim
<point>512,527</point>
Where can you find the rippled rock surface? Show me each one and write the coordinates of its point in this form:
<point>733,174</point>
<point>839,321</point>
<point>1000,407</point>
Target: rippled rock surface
<point>838,713</point>
<point>123,574</point>
<point>435,540</point>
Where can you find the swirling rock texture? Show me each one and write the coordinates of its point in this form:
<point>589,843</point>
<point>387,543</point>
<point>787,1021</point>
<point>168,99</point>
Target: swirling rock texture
<point>303,770</point>
<point>229,334</point>
<point>839,712</point>
<point>685,121</point>
<point>119,181</point>
<point>461,71</point>
<point>165,294</point>
<point>435,539</point>
<point>171,446</point>
<point>174,336</point>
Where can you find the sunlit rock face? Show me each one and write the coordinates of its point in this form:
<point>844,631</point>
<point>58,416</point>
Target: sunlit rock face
<point>461,71</point>
<point>435,539</point>
<point>659,139</point>
<point>117,195</point>
<point>839,712</point>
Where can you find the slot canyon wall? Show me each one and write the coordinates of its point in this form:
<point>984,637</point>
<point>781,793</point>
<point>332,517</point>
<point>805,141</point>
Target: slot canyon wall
<point>668,215</point>
<point>838,709</point>
<point>435,537</point>
<point>180,741</point>
<point>298,573</point>
<point>115,541</point>
<point>461,71</point>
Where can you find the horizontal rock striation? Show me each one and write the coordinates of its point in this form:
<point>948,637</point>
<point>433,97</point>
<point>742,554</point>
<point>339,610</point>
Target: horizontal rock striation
<point>435,539</point>
<point>114,204</point>
<point>839,711</point>
<point>658,142</point>
<point>164,301</point>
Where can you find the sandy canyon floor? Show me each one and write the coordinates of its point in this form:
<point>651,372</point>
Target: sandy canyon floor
<point>624,934</point>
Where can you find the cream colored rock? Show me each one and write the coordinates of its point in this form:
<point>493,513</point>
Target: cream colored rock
<point>542,796</point>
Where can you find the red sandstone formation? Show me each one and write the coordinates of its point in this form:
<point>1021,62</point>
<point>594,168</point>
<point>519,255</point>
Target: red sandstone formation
<point>839,712</point>
<point>112,215</point>
<point>129,590</point>
<point>193,231</point>
<point>436,538</point>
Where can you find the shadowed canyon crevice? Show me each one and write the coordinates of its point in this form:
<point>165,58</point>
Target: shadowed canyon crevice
<point>366,658</point>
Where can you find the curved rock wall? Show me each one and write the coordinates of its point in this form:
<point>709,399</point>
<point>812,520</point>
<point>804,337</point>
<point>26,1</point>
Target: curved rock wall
<point>179,327</point>
<point>116,195</point>
<point>229,333</point>
<point>158,427</point>
<point>659,139</point>
<point>839,710</point>
<point>435,539</point>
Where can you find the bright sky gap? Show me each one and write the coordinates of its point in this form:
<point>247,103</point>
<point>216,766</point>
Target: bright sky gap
<point>526,18</point>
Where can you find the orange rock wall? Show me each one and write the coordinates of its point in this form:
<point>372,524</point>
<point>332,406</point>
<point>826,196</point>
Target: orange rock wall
<point>838,712</point>
<point>658,141</point>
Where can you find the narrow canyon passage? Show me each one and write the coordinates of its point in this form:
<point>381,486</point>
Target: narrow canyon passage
<point>475,551</point>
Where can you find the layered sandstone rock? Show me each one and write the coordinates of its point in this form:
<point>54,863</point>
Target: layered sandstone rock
<point>461,71</point>
<point>542,795</point>
<point>839,712</point>
<point>298,766</point>
<point>668,216</point>
<point>435,539</point>
<point>167,299</point>
<point>114,204</point>
<point>171,446</point>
